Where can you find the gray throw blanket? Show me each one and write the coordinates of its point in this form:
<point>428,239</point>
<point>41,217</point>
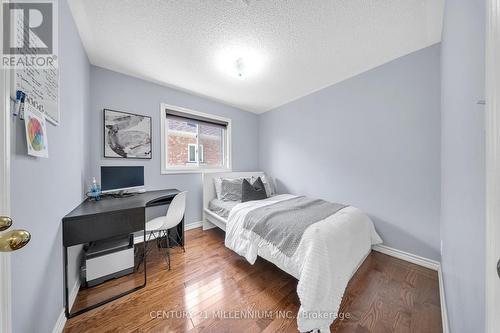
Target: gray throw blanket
<point>283,223</point>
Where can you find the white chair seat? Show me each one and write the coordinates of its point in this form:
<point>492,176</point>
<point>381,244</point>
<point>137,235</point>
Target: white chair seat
<point>156,223</point>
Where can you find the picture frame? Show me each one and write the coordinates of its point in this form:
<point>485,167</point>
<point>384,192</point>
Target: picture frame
<point>127,135</point>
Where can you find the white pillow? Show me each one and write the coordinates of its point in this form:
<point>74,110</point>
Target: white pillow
<point>218,187</point>
<point>268,184</point>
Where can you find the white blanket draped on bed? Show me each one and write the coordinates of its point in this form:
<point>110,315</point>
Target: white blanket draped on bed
<point>329,253</point>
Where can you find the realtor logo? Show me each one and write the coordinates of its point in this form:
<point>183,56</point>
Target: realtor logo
<point>29,34</point>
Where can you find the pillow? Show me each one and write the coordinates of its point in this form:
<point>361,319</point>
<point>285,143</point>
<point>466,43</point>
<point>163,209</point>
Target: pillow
<point>255,191</point>
<point>218,187</point>
<point>231,189</point>
<point>268,184</point>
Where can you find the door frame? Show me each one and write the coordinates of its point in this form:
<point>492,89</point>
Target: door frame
<point>5,266</point>
<point>492,128</point>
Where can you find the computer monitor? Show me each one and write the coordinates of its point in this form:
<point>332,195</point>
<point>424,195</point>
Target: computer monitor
<point>121,178</point>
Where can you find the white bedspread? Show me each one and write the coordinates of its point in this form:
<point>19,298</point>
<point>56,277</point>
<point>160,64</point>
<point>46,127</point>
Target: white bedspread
<point>329,253</point>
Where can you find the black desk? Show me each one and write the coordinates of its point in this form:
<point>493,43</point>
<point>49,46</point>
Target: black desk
<point>110,217</point>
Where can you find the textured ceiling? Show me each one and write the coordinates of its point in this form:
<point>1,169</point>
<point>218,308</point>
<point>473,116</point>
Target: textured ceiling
<point>290,48</point>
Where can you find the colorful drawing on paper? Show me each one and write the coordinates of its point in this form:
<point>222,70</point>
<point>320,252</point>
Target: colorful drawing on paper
<point>36,133</point>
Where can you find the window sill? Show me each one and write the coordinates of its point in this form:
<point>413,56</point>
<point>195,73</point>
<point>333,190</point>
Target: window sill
<point>182,171</point>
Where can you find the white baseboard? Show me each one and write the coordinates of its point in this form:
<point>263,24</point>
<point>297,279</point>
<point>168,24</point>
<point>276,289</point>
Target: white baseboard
<point>61,320</point>
<point>194,225</point>
<point>208,225</point>
<point>424,262</point>
<point>73,293</point>
<point>413,258</point>
<point>442,300</point>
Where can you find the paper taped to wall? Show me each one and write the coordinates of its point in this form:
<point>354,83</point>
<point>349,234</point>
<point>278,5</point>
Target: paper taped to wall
<point>36,132</point>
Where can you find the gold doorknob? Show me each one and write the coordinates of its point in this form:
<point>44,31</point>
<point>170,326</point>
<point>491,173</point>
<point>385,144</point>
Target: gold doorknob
<point>14,240</point>
<point>5,223</point>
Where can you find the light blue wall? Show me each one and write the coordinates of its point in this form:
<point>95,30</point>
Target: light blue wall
<point>371,141</point>
<point>463,164</point>
<point>44,190</point>
<point>116,91</point>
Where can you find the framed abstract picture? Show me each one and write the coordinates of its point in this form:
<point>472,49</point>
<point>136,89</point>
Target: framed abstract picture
<point>127,135</point>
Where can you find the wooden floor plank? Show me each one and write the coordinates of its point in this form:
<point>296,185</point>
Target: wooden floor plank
<point>385,295</point>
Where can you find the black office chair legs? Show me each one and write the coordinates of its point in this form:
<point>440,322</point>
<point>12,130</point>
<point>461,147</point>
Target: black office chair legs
<point>175,241</point>
<point>168,248</point>
<point>163,236</point>
<point>147,249</point>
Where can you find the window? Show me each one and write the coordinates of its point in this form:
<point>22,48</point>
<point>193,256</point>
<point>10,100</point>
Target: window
<point>192,153</point>
<point>193,141</point>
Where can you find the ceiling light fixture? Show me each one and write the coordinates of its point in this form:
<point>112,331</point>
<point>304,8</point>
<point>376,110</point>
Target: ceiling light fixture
<point>240,62</point>
<point>240,67</point>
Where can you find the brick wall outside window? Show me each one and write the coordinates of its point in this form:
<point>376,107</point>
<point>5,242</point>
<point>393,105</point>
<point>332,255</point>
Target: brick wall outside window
<point>212,150</point>
<point>178,149</point>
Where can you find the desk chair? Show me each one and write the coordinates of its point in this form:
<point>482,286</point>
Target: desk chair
<point>163,224</point>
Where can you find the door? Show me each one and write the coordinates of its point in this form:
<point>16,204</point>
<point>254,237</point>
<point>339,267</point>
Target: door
<point>10,239</point>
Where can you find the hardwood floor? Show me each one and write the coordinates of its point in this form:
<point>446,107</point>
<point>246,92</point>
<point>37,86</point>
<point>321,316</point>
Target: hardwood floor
<point>385,295</point>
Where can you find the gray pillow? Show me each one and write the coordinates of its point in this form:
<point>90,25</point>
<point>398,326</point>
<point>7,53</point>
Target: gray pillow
<point>269,185</point>
<point>231,189</point>
<point>255,191</point>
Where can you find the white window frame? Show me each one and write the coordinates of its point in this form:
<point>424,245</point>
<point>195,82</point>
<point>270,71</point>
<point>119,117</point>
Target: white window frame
<point>189,152</point>
<point>196,167</point>
<point>197,152</point>
<point>201,151</point>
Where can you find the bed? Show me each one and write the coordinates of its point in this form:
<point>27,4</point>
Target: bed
<point>331,246</point>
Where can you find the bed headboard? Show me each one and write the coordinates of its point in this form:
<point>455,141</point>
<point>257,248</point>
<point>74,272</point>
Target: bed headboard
<point>209,188</point>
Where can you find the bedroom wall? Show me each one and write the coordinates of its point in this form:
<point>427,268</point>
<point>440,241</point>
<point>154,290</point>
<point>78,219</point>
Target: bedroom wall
<point>44,190</point>
<point>463,164</point>
<point>116,91</point>
<point>371,141</point>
